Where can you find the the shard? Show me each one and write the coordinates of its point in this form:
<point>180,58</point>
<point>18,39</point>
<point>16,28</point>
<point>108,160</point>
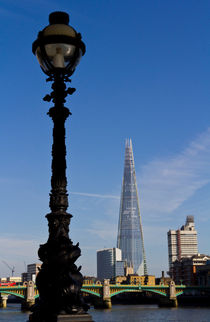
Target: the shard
<point>130,232</point>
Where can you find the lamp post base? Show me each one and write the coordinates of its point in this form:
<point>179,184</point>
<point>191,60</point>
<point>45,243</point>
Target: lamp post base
<point>75,318</point>
<point>66,318</point>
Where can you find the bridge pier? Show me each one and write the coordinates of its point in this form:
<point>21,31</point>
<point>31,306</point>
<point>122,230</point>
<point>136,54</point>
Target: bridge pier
<point>171,299</point>
<point>105,301</point>
<point>26,305</point>
<point>29,299</point>
<point>172,294</point>
<point>99,303</point>
<point>167,302</point>
<point>3,300</point>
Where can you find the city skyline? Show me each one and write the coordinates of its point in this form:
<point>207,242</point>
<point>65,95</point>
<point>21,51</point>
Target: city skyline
<point>156,93</point>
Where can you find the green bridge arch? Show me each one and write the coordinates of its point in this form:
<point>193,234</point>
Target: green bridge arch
<point>137,291</point>
<point>128,290</point>
<point>125,291</point>
<point>12,293</point>
<point>90,292</point>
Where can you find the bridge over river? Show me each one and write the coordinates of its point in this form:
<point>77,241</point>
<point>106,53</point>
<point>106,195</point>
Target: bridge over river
<point>104,292</point>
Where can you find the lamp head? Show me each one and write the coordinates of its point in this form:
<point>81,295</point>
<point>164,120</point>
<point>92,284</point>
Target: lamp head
<point>58,46</point>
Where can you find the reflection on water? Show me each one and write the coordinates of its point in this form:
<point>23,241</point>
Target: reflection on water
<point>126,313</point>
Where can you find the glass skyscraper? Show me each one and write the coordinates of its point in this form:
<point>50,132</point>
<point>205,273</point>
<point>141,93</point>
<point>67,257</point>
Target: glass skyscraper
<point>130,232</point>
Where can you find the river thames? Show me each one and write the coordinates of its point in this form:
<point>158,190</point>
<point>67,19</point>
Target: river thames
<point>131,313</point>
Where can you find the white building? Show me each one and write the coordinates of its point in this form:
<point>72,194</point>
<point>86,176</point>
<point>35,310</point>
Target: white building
<point>182,242</point>
<point>109,261</point>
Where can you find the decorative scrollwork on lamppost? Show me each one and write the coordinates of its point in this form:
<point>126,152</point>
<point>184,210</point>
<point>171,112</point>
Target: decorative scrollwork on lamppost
<point>58,49</point>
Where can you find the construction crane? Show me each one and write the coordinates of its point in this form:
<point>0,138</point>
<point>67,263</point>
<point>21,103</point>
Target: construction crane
<point>11,268</point>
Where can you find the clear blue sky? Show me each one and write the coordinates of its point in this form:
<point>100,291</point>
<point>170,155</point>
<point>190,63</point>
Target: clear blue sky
<point>145,76</point>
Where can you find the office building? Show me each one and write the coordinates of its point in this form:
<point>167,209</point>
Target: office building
<point>130,232</point>
<point>182,242</point>
<point>24,277</point>
<point>120,268</point>
<point>109,263</point>
<point>32,271</point>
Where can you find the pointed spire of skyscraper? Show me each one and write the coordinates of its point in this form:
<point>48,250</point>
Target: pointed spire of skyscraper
<point>130,233</point>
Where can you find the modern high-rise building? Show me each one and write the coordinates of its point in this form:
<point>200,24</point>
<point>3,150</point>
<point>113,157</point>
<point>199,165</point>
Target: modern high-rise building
<point>109,263</point>
<point>130,232</point>
<point>182,242</point>
<point>32,271</point>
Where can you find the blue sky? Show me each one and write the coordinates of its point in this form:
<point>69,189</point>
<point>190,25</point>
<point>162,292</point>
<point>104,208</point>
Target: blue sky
<point>145,76</point>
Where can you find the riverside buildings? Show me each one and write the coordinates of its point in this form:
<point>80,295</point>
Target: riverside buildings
<point>130,232</point>
<point>109,263</point>
<point>187,269</point>
<point>182,243</point>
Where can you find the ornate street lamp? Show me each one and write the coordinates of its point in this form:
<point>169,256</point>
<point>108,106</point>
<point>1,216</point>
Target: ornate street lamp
<point>58,49</point>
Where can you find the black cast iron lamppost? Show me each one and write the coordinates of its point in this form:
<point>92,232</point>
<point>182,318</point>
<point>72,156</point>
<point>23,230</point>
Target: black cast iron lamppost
<point>58,49</point>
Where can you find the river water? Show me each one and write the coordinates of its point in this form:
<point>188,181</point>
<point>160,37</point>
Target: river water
<point>126,313</point>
